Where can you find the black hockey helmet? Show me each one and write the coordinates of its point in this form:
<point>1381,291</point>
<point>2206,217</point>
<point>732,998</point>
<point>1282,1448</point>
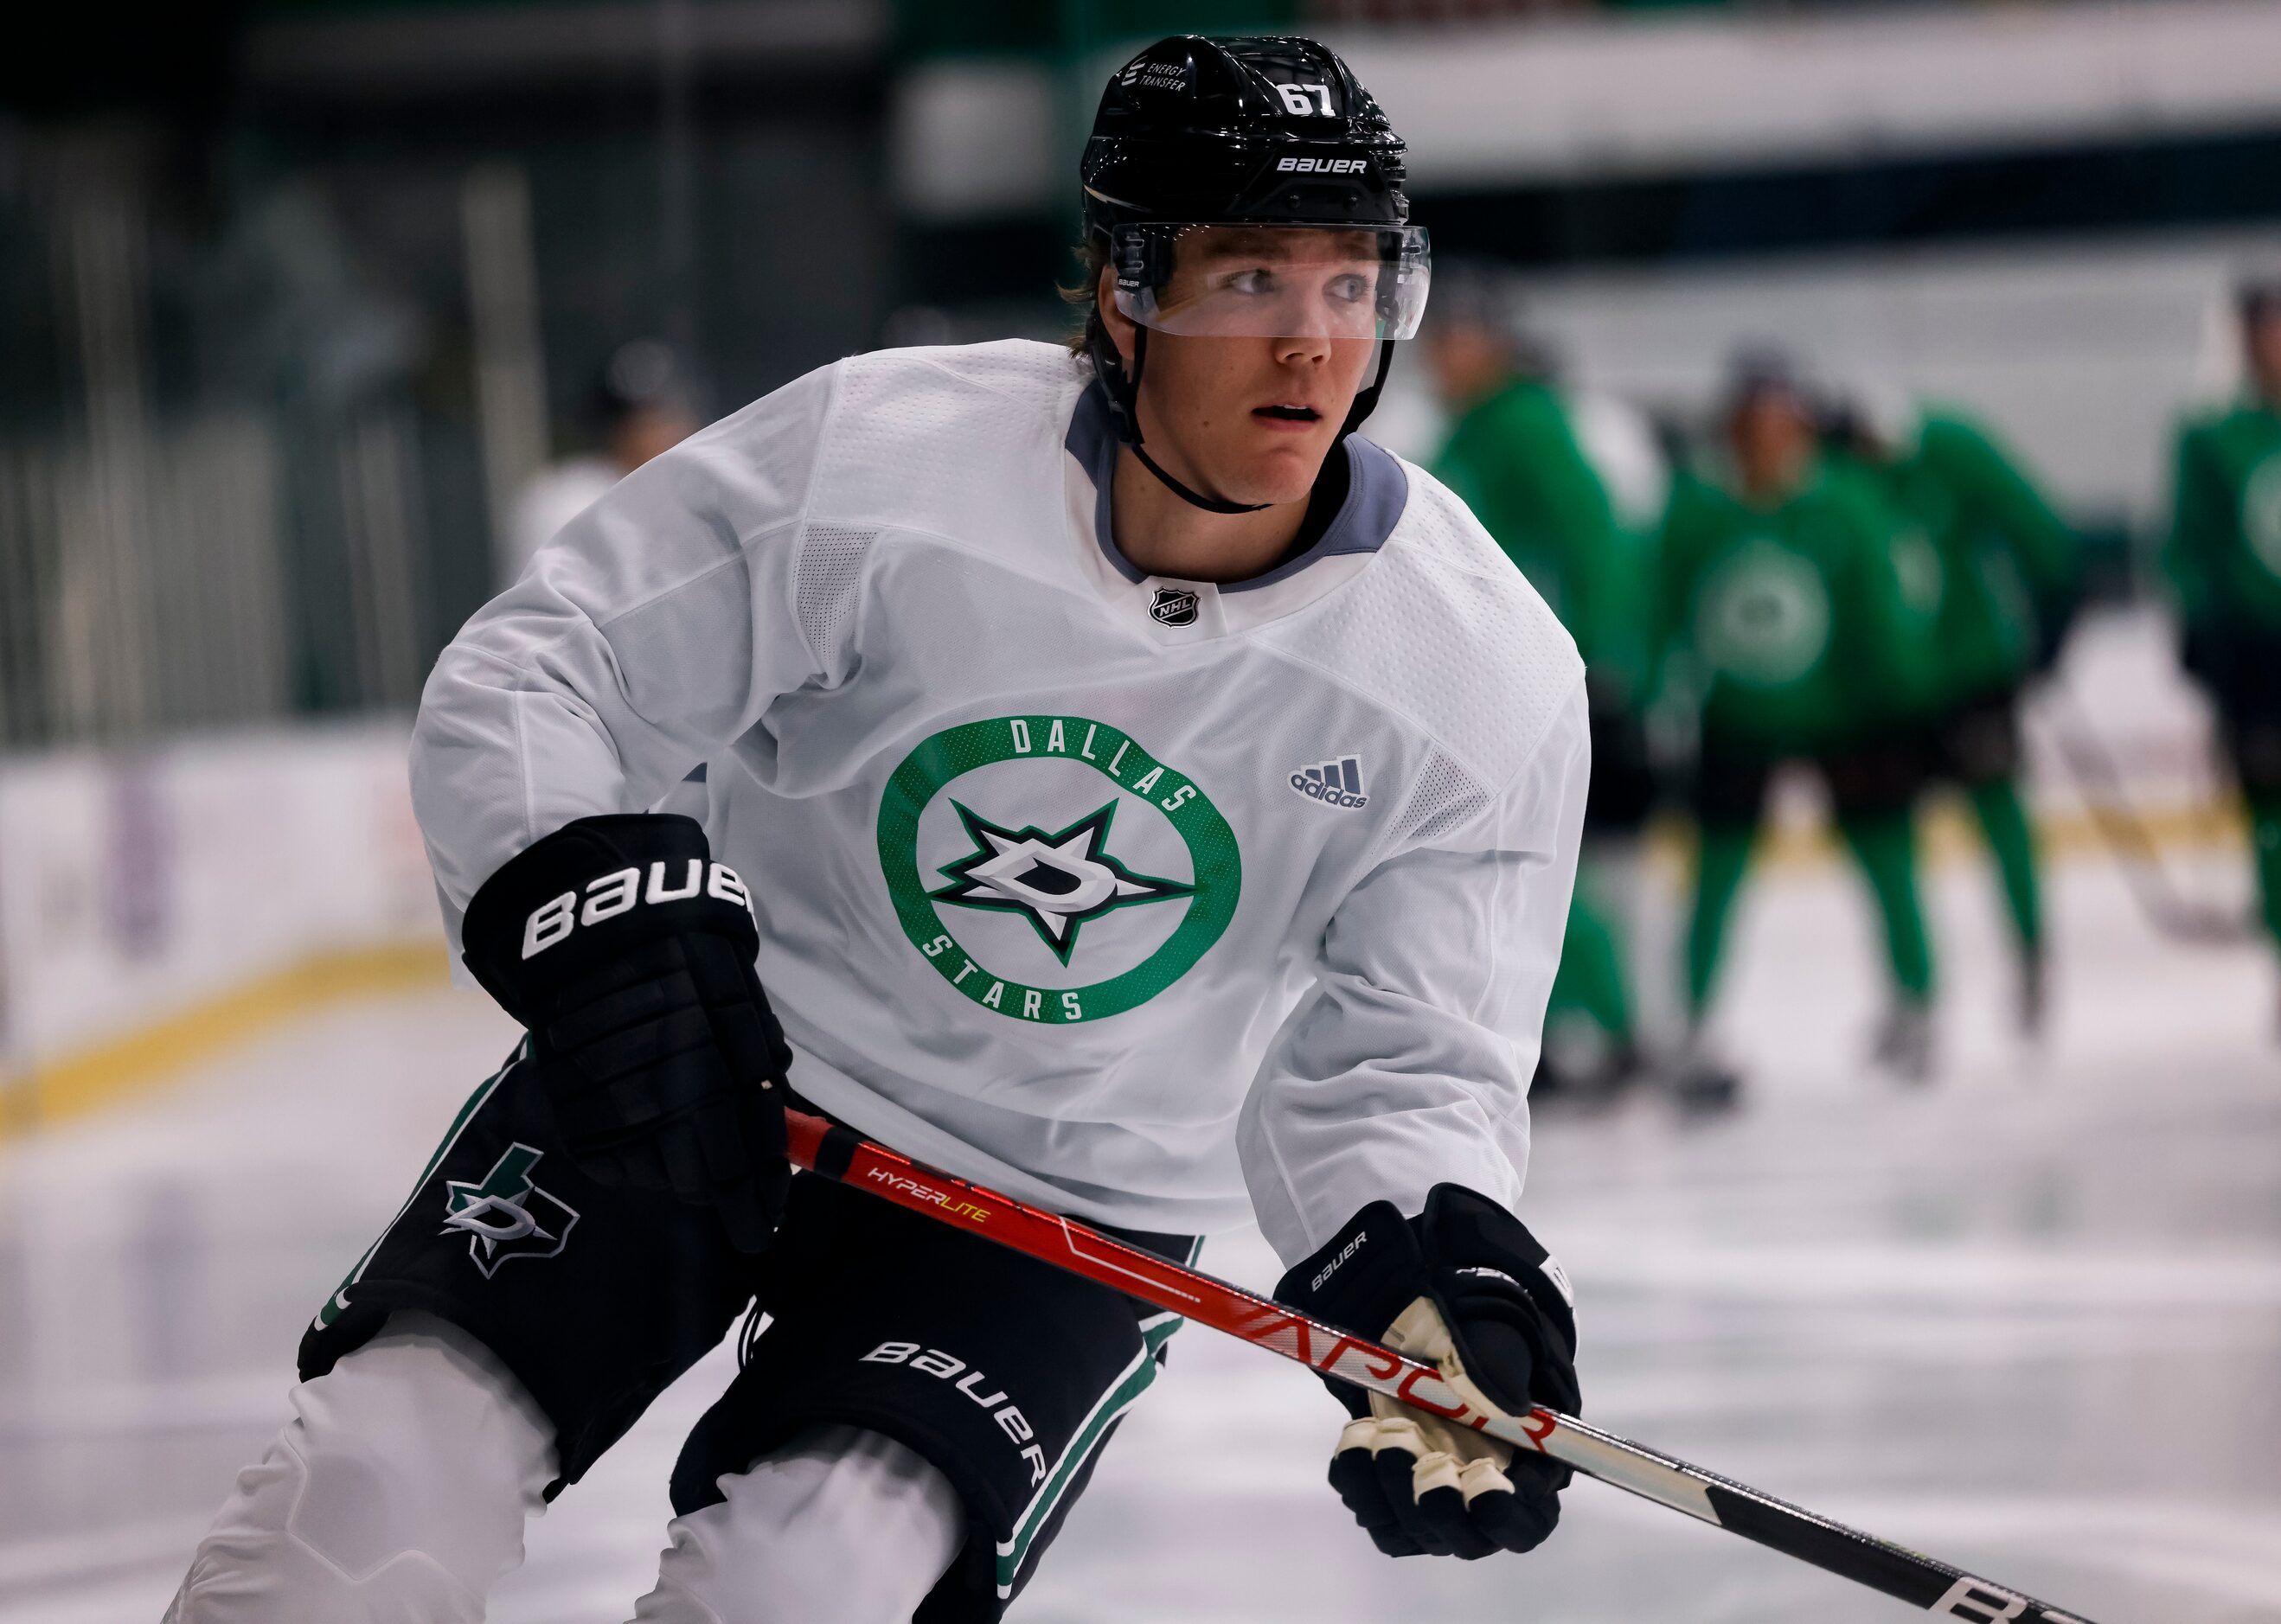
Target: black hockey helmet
<point>1762,367</point>
<point>2257,296</point>
<point>1482,295</point>
<point>1273,131</point>
<point>643,374</point>
<point>1252,132</point>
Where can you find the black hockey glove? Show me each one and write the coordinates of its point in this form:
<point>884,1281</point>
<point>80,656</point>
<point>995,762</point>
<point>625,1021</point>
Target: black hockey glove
<point>1464,1287</point>
<point>627,953</point>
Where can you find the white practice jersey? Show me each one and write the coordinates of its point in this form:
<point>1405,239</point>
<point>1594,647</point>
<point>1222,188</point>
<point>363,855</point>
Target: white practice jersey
<point>1155,901</point>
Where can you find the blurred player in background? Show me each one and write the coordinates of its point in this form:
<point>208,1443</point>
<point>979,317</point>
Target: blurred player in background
<point>2223,559</point>
<point>1515,453</point>
<point>644,404</point>
<point>1976,535</point>
<point>1784,603</point>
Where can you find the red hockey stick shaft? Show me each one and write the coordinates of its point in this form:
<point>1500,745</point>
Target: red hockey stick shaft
<point>846,1157</point>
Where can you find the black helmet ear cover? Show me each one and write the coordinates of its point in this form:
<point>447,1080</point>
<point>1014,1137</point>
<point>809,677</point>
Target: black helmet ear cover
<point>1124,392</point>
<point>1366,400</point>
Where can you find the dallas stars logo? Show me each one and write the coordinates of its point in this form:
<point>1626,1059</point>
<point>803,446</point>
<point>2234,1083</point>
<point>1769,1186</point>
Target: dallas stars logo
<point>507,1216</point>
<point>1058,882</point>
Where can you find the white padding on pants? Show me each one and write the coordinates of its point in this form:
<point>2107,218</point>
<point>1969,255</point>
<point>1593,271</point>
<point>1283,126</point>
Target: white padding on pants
<point>841,1526</point>
<point>396,1496</point>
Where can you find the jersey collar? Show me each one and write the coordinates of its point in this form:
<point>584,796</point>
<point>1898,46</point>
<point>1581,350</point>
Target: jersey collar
<point>1377,489</point>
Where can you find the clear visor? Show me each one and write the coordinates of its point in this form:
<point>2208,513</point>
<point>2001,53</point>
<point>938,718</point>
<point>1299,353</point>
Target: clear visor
<point>1273,281</point>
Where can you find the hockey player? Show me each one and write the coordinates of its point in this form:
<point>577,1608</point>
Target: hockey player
<point>2002,562</point>
<point>644,405</point>
<point>1515,458</point>
<point>1134,791</point>
<point>1782,595</point>
<point>2223,559</point>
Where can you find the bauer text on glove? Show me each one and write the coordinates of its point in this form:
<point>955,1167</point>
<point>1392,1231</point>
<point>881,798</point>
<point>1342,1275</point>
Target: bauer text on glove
<point>627,953</point>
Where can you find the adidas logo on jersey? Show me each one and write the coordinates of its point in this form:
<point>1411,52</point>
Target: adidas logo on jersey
<point>1334,783</point>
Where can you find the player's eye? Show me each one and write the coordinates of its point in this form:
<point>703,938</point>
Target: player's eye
<point>1351,288</point>
<point>1252,279</point>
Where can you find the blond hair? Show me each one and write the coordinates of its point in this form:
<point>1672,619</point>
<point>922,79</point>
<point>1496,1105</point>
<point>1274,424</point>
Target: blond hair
<point>1084,295</point>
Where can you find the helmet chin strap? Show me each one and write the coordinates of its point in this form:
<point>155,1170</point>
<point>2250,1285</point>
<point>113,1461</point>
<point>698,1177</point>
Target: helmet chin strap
<point>1210,505</point>
<point>1124,392</point>
<point>1365,402</point>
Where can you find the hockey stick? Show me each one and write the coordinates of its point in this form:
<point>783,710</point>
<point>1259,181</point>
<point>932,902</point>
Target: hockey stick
<point>2098,780</point>
<point>845,1157</point>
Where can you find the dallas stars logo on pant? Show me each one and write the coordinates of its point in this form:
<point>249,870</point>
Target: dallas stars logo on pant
<point>1056,881</point>
<point>507,1216</point>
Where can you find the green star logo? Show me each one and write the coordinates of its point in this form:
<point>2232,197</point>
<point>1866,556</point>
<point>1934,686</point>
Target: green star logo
<point>1056,878</point>
<point>1762,618</point>
<point>1058,882</point>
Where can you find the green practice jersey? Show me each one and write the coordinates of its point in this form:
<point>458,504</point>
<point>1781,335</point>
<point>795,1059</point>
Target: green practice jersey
<point>1791,617</point>
<point>1514,459</point>
<point>2225,551</point>
<point>1978,543</point>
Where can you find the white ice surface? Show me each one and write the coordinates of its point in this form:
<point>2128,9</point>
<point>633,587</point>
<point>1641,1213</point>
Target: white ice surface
<point>2028,1319</point>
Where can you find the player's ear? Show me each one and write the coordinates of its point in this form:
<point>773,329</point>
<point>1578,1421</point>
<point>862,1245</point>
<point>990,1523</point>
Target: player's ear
<point>1119,326</point>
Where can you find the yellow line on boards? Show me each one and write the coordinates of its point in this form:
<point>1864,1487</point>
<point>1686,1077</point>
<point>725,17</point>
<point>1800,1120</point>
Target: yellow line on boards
<point>106,1072</point>
<point>123,1067</point>
<point>1947,834</point>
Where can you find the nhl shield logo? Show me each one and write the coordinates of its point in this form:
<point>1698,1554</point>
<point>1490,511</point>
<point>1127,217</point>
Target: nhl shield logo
<point>507,1216</point>
<point>1173,606</point>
